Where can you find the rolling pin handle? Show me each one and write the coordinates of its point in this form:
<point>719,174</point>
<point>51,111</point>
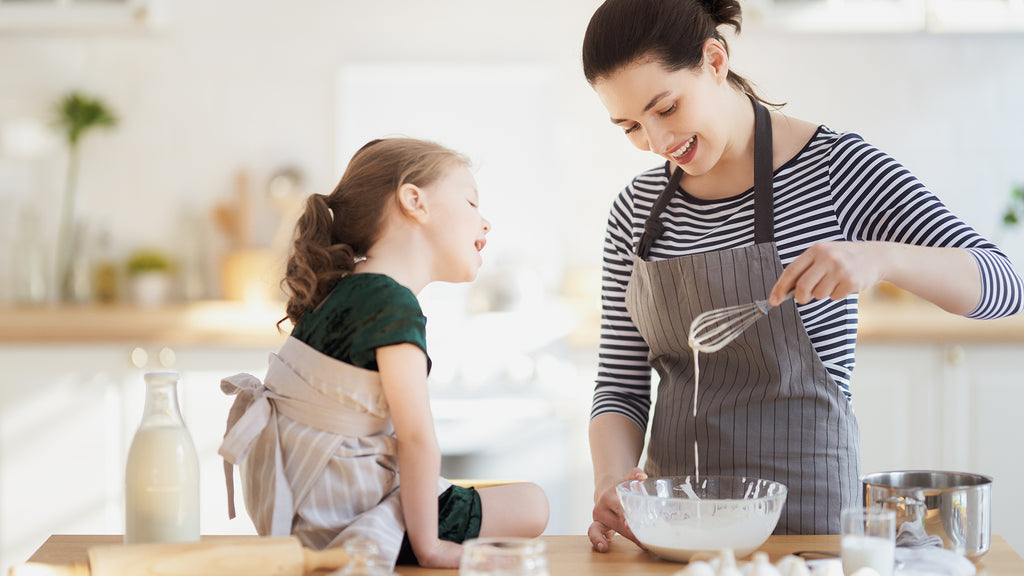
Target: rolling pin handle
<point>40,569</point>
<point>329,559</point>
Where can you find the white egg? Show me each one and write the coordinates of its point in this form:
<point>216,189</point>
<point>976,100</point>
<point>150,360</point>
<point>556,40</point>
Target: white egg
<point>760,565</point>
<point>696,568</point>
<point>793,566</point>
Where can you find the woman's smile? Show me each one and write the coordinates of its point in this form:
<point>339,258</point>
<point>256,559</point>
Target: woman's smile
<point>685,152</point>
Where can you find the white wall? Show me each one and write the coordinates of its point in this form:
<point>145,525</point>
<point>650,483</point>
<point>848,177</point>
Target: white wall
<point>234,84</point>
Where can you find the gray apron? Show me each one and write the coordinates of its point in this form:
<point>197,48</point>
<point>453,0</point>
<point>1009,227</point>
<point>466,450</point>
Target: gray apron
<point>766,405</point>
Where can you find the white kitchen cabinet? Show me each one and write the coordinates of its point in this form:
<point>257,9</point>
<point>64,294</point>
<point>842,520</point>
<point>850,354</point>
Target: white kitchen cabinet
<point>946,407</point>
<point>67,417</point>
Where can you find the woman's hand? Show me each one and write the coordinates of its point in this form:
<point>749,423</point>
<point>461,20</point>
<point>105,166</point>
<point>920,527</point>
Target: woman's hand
<point>608,516</point>
<point>946,277</point>
<point>831,270</point>
<point>440,554</point>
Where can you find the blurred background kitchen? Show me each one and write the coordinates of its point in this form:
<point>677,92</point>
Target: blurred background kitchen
<point>225,114</point>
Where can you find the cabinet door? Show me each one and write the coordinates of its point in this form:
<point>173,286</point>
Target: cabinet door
<point>995,378</point>
<point>60,444</point>
<point>897,391</point>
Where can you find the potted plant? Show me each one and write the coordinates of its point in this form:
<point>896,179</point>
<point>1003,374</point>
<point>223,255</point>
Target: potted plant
<point>1014,207</point>
<point>76,115</point>
<point>1013,218</point>
<point>149,277</point>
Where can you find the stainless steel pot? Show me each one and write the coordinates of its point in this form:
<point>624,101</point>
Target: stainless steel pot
<point>955,506</point>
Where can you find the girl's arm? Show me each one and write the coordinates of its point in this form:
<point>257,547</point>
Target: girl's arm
<point>403,374</point>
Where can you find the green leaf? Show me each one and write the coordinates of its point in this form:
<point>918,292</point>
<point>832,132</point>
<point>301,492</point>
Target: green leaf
<point>77,113</point>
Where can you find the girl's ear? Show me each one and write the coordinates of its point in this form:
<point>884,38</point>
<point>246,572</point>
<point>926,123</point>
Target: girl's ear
<point>716,59</point>
<point>413,202</point>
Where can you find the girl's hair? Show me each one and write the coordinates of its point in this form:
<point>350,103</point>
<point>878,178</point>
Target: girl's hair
<point>671,31</point>
<point>337,229</point>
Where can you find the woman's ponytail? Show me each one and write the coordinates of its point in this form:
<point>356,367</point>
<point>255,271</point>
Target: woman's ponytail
<point>622,32</point>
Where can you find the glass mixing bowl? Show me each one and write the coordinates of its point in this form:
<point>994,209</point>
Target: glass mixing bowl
<point>676,517</point>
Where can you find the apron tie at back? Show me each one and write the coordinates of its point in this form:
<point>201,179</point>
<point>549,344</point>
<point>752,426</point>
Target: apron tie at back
<point>252,423</point>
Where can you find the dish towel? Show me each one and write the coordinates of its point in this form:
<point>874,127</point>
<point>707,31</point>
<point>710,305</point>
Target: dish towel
<point>920,554</point>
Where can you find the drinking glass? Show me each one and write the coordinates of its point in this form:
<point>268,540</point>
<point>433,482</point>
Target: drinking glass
<point>503,557</point>
<point>868,540</point>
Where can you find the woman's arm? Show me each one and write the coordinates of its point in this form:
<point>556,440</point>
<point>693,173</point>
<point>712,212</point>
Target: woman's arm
<point>622,392</point>
<point>403,374</point>
<point>616,443</point>
<point>902,233</point>
<point>947,277</point>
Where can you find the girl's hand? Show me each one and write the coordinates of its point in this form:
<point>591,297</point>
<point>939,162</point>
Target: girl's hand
<point>608,516</point>
<point>831,270</point>
<point>440,554</point>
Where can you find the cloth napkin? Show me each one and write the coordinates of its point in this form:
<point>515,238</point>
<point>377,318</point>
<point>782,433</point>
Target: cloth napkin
<point>921,554</point>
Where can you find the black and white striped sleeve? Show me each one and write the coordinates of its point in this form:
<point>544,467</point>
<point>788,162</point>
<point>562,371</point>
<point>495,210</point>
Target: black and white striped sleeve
<point>624,376</point>
<point>878,199</point>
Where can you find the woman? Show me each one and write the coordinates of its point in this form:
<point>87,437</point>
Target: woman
<point>749,204</point>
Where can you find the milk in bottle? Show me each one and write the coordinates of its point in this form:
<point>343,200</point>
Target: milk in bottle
<point>162,474</point>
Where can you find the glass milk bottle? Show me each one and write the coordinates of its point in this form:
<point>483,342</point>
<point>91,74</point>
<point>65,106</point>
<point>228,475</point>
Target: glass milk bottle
<point>162,474</point>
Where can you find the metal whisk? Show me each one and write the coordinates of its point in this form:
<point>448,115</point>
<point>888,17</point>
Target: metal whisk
<point>712,330</point>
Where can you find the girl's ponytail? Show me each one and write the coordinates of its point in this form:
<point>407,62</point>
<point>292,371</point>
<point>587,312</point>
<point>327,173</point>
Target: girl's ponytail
<point>317,259</point>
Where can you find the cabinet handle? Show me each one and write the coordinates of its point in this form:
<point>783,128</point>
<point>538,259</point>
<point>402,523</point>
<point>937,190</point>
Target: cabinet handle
<point>955,355</point>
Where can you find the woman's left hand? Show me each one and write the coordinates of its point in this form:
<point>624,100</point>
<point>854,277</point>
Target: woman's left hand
<point>831,270</point>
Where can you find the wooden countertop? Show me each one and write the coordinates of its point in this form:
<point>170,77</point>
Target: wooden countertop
<point>572,555</point>
<point>224,323</point>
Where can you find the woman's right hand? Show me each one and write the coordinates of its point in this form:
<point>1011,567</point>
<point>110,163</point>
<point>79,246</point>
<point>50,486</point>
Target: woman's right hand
<point>608,516</point>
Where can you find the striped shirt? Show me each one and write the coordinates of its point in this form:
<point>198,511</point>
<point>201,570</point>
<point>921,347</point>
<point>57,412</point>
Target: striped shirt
<point>838,187</point>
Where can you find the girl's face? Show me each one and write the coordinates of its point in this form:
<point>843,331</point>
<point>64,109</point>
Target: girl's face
<point>677,115</point>
<point>457,231</point>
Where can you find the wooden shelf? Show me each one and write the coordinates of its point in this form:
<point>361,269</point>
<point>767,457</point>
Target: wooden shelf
<point>226,323</point>
<point>218,323</point>
<point>915,320</point>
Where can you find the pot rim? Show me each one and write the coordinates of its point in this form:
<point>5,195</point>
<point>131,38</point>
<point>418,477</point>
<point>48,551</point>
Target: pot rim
<point>919,480</point>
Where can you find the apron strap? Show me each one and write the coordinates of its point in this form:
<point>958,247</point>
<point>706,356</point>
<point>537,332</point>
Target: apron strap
<point>653,227</point>
<point>764,202</point>
<point>764,209</point>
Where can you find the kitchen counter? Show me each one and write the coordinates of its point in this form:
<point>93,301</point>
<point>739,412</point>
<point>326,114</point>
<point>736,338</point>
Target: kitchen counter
<point>572,555</point>
<point>242,324</point>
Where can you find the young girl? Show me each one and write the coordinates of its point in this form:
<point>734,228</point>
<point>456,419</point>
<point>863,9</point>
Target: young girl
<point>344,406</point>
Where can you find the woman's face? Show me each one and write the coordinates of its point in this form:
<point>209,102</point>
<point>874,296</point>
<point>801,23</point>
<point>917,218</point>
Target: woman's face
<point>677,115</point>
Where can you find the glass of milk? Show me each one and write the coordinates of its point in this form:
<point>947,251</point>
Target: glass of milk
<point>503,557</point>
<point>868,540</point>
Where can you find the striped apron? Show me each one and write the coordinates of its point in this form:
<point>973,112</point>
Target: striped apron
<point>766,406</point>
<point>317,451</point>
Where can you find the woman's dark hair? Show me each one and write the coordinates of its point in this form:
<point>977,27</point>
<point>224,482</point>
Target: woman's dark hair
<point>672,32</point>
<point>336,229</point>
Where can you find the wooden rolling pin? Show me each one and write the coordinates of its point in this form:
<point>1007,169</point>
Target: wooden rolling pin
<point>245,556</point>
